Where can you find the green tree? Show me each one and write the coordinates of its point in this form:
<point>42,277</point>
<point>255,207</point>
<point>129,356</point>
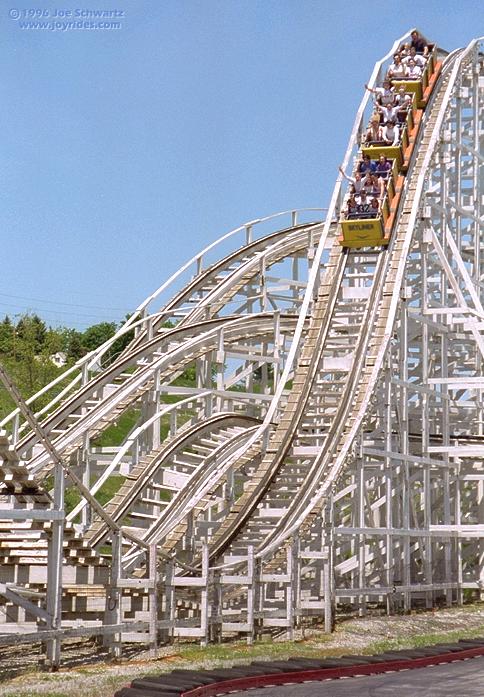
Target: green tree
<point>97,334</point>
<point>33,330</point>
<point>7,336</point>
<point>123,341</point>
<point>73,345</point>
<point>30,336</point>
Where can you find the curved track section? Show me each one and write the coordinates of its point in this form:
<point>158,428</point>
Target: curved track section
<point>241,274</point>
<point>150,488</point>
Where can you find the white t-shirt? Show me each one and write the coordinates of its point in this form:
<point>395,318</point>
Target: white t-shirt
<point>386,96</point>
<point>397,71</point>
<point>419,60</point>
<point>389,113</point>
<point>391,133</point>
<point>414,73</point>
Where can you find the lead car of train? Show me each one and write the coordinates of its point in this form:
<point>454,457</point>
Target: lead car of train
<point>374,230</point>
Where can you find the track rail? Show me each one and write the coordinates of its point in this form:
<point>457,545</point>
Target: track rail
<point>271,472</point>
<point>216,284</point>
<point>189,343</point>
<point>141,477</point>
<point>383,311</point>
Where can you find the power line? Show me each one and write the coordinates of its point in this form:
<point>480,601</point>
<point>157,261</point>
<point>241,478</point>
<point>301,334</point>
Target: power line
<point>27,308</point>
<point>56,302</point>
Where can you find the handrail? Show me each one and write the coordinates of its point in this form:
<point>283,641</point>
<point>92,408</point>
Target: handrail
<point>345,401</point>
<point>196,259</point>
<point>92,358</point>
<point>196,488</point>
<point>58,379</point>
<point>139,430</point>
<point>232,326</point>
<point>208,248</point>
<point>267,252</point>
<point>315,267</point>
<point>129,442</point>
<point>322,491</point>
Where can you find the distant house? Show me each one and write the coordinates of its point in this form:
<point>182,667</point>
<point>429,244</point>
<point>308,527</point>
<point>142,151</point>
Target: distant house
<point>59,359</point>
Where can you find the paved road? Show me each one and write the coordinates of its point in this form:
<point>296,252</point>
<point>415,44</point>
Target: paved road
<point>460,679</point>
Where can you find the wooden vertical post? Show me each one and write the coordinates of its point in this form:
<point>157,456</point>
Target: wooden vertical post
<point>85,463</point>
<point>388,485</point>
<point>444,347</point>
<point>291,588</point>
<point>220,368</point>
<point>114,596</point>
<point>361,537</point>
<point>168,611</point>
<point>204,625</point>
<point>215,633</point>
<point>54,570</point>
<point>258,598</point>
<point>251,590</point>
<point>328,569</point>
<point>153,600</point>
<point>404,443</point>
<point>297,564</point>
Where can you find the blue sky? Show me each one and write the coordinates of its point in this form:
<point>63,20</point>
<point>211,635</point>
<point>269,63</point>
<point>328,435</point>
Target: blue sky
<point>126,150</point>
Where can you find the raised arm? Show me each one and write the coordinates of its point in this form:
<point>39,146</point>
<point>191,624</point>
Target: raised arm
<point>348,179</point>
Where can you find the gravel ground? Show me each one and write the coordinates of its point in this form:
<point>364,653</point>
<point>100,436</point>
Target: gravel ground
<point>86,673</point>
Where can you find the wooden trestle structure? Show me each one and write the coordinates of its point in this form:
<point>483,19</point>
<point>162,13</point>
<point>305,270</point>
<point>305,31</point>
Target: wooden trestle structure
<point>329,454</point>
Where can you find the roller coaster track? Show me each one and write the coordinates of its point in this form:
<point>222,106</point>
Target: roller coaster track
<point>215,287</point>
<point>208,292</point>
<point>203,337</point>
<point>279,480</point>
<point>375,332</point>
<point>213,437</point>
<point>303,465</point>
